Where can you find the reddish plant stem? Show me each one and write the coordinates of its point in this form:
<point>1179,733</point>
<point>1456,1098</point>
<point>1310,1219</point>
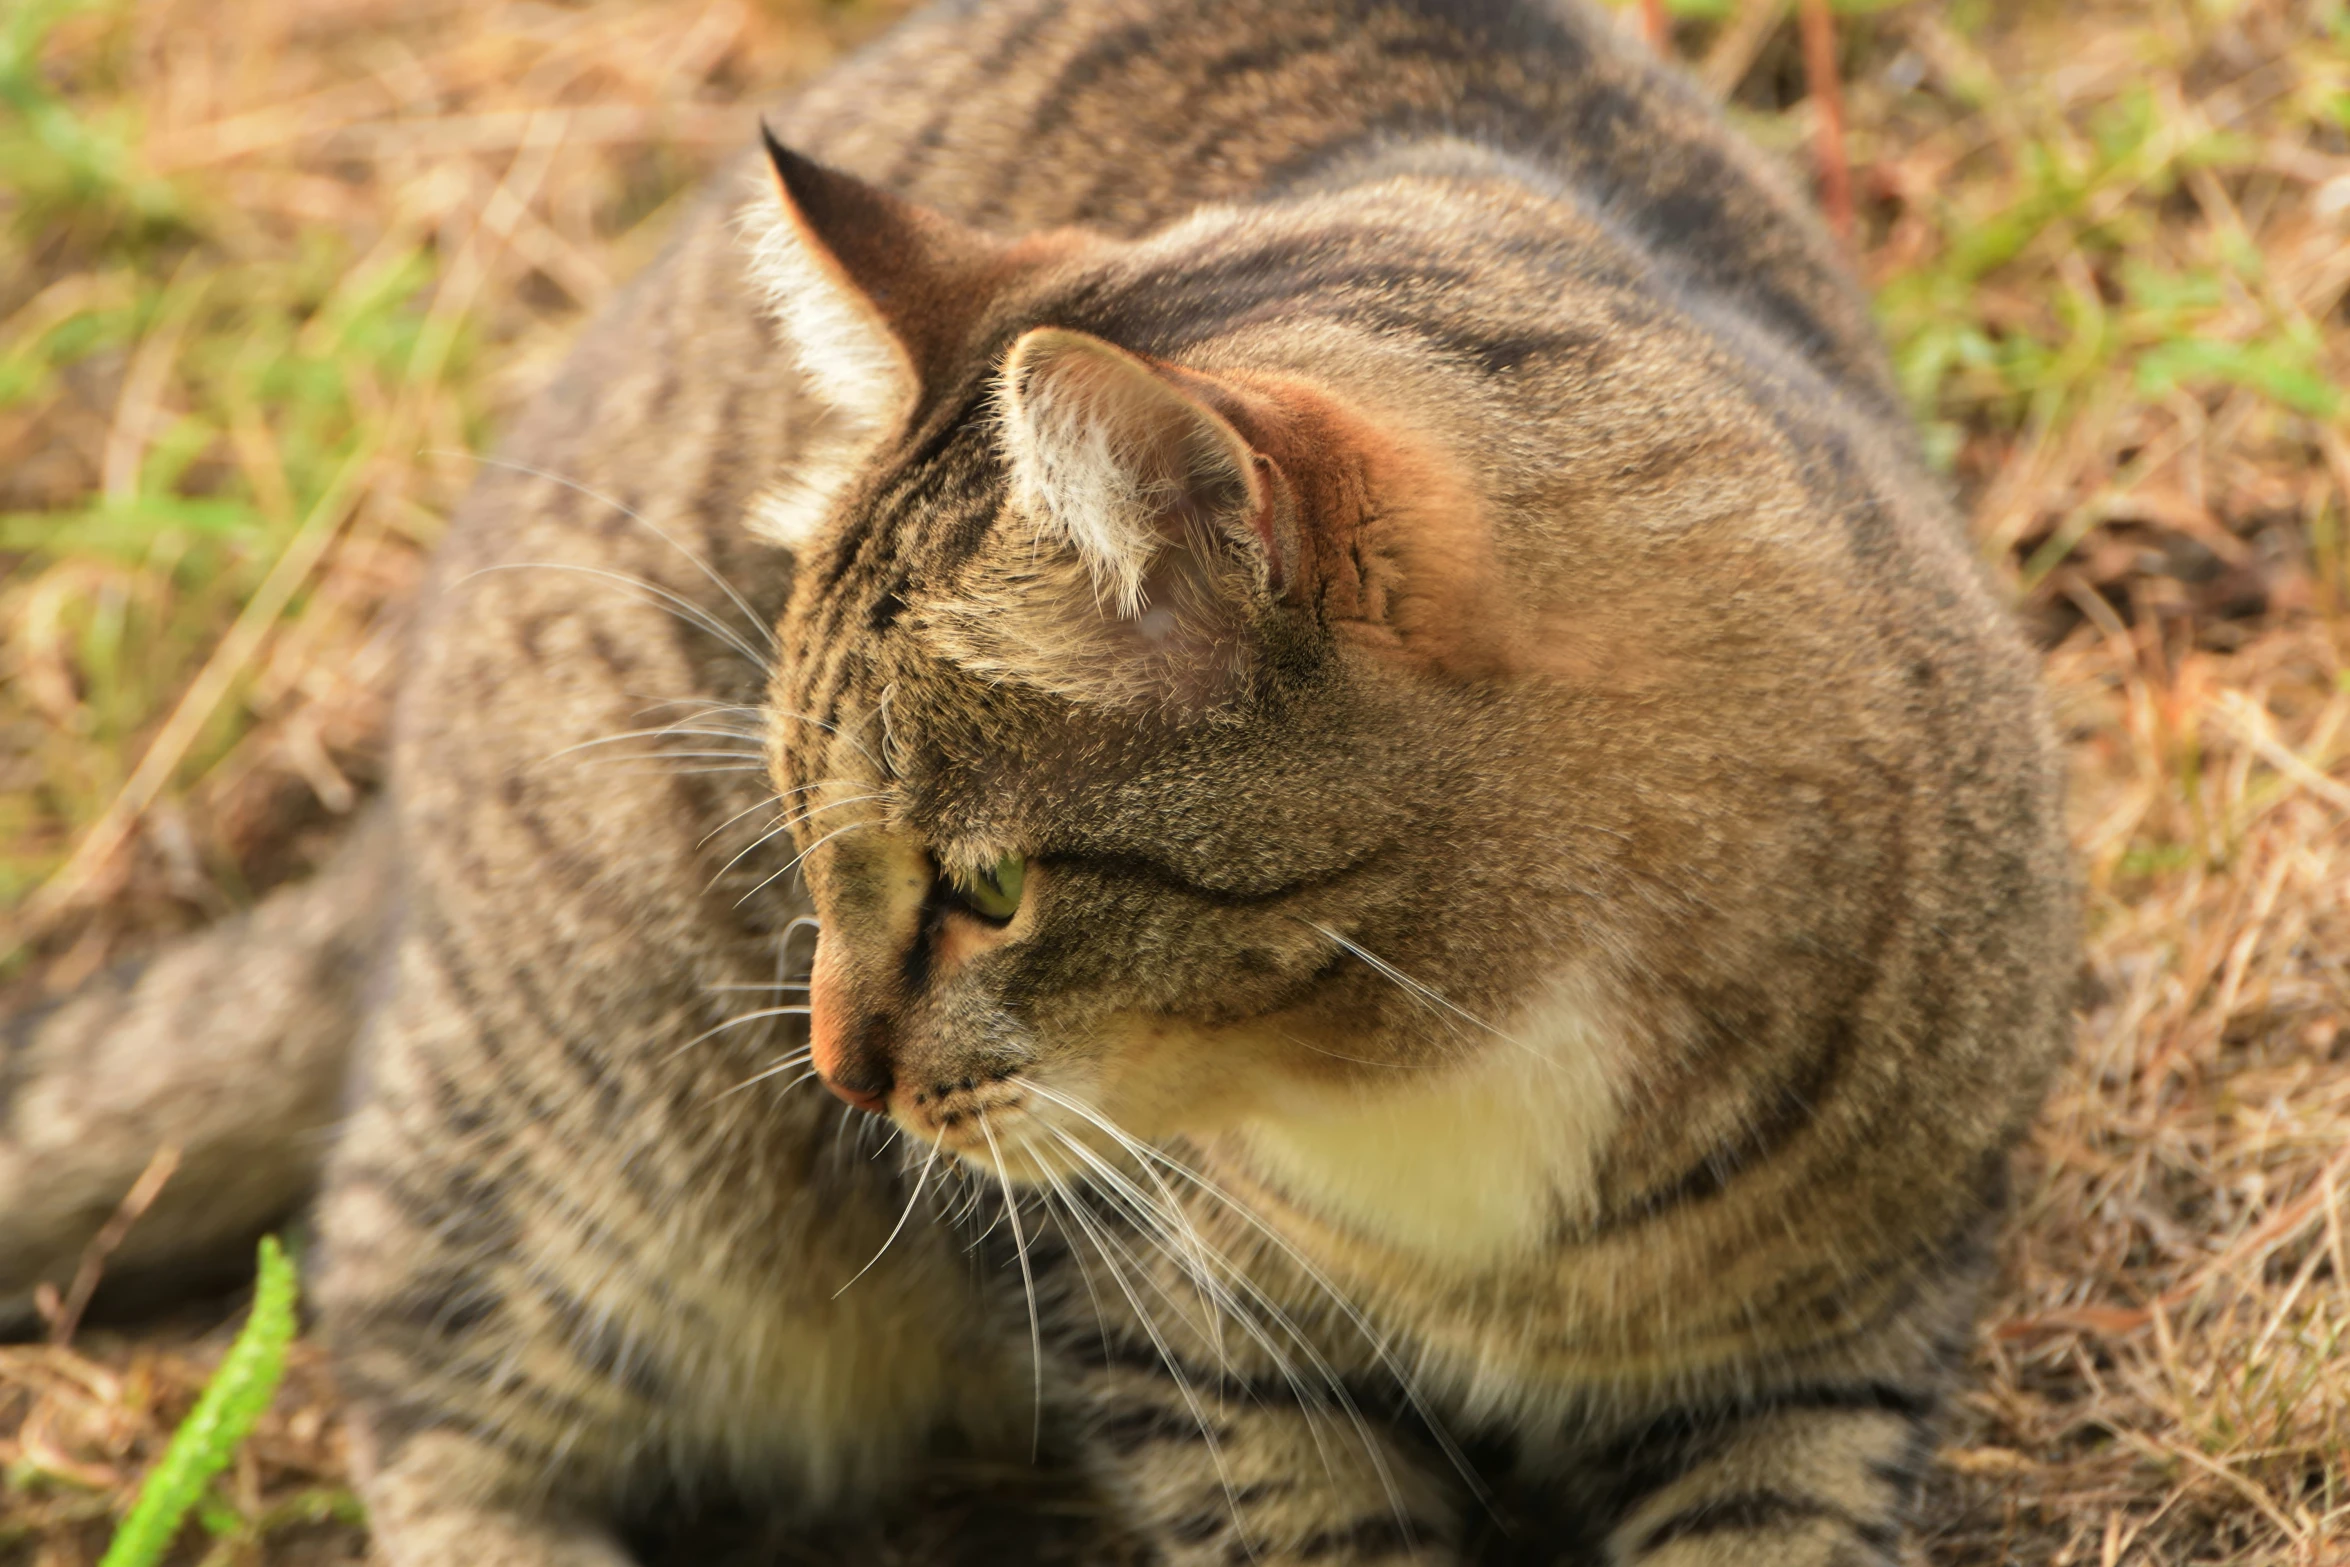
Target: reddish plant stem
<point>1827,96</point>
<point>1657,25</point>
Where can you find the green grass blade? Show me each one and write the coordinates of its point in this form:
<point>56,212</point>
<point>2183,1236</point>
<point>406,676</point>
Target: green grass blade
<point>235,1397</point>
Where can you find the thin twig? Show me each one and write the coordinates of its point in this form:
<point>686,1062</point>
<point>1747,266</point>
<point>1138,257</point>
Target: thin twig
<point>230,659</point>
<point>92,1266</point>
<point>1735,51</point>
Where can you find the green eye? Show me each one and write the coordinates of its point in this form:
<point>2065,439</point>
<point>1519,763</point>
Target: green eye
<point>992,892</point>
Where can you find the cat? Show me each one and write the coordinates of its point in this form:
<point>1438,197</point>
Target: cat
<point>1344,715</point>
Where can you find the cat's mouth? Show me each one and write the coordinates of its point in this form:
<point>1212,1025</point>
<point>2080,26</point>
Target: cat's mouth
<point>978,1119</point>
<point>999,1120</point>
<point>1013,1127</point>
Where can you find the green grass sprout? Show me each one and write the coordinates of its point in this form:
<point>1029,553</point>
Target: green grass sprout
<point>205,1442</point>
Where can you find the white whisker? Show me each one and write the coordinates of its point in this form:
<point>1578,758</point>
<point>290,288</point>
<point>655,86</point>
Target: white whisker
<point>780,1067</point>
<point>1375,1341</point>
<point>1055,1187</point>
<point>632,514</point>
<point>663,732</point>
<point>773,799</point>
<point>677,604</point>
<point>753,758</point>
<point>1167,1358</point>
<point>899,1227</point>
<point>803,854</point>
<point>786,823</point>
<point>972,1191</point>
<point>1027,1279</point>
<point>797,1009</point>
<point>1219,1301</point>
<point>1409,984</point>
<point>756,805</point>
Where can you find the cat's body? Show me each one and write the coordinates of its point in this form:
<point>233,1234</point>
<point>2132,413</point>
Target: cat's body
<point>1395,526</point>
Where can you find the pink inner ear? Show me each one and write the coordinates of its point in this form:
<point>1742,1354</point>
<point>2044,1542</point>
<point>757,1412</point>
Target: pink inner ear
<point>1265,525</point>
<point>1125,462</point>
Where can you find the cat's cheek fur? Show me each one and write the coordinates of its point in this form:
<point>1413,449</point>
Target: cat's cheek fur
<point>1470,1156</point>
<point>1460,1163</point>
<point>1163,1077</point>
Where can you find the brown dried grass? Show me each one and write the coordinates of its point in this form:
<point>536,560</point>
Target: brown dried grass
<point>2113,243</point>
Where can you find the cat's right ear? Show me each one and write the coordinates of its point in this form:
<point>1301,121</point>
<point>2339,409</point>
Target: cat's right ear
<point>875,296</point>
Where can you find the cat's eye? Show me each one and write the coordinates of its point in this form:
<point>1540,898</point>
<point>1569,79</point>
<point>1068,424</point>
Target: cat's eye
<point>991,891</point>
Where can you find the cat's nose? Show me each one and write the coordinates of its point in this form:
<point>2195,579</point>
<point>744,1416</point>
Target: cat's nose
<point>860,1078</point>
<point>872,1101</point>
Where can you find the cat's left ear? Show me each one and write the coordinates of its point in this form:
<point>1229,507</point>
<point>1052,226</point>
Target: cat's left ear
<point>877,297</point>
<point>1149,544</point>
<point>1133,466</point>
<point>1174,535</point>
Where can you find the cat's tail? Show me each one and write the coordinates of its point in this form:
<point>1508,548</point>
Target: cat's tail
<point>228,1048</point>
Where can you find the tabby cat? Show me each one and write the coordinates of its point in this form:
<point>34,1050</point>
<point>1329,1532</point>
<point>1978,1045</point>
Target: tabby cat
<point>1333,671</point>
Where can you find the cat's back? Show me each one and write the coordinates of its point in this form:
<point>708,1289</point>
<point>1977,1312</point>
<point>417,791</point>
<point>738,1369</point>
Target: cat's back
<point>1123,116</point>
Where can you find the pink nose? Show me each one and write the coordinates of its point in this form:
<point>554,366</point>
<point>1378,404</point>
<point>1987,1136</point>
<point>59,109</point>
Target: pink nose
<point>872,1104</point>
<point>828,1027</point>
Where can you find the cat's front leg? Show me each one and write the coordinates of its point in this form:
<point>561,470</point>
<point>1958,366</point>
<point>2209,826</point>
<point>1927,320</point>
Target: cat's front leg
<point>1820,1476</point>
<point>550,1304</point>
<point>480,1437</point>
<point>1212,1472</point>
<point>423,1514</point>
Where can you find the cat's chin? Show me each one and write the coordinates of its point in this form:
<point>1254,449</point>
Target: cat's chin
<point>1010,1147</point>
<point>1141,1083</point>
<point>1025,1131</point>
<point>1026,1166</point>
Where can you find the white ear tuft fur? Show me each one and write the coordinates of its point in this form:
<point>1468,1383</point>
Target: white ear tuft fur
<point>856,368</point>
<point>1115,460</point>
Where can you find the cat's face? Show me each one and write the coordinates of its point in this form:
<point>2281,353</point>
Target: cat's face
<point>1150,729</point>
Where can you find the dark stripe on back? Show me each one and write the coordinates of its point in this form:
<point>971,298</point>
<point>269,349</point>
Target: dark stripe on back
<point>1001,59</point>
<point>1126,1429</point>
<point>1663,1449</point>
<point>1758,1512</point>
<point>1365,1540</point>
<point>601,1345</point>
<point>1100,61</point>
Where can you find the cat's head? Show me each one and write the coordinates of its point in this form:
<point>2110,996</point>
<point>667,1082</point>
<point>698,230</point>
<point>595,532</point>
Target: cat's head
<point>1153,704</point>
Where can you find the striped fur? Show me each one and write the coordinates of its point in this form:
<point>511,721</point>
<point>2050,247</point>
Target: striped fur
<point>1544,910</point>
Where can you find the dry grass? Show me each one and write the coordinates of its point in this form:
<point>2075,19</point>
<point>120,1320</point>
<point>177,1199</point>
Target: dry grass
<point>267,268</point>
<point>270,271</point>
